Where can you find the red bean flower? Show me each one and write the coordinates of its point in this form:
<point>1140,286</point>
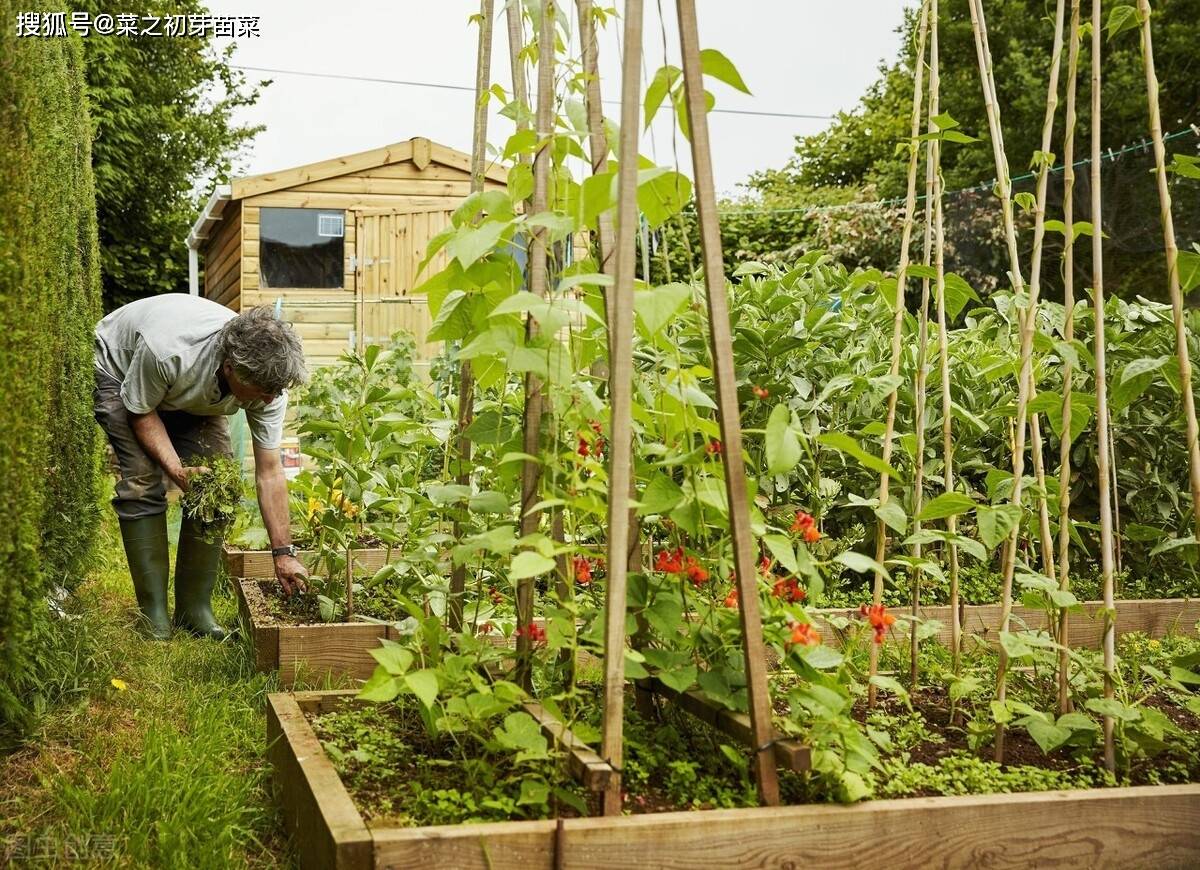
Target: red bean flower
<point>583,571</point>
<point>764,566</point>
<point>811,535</point>
<point>803,634</point>
<point>789,590</point>
<point>497,597</point>
<point>713,448</point>
<point>803,521</point>
<point>761,392</point>
<point>879,618</point>
<point>696,572</point>
<point>669,561</point>
<point>533,631</point>
<point>584,449</point>
<point>731,600</point>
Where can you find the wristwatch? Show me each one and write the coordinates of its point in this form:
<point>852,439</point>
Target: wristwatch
<point>289,550</point>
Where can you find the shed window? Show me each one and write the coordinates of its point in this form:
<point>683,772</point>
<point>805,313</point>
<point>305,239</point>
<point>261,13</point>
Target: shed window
<point>301,248</point>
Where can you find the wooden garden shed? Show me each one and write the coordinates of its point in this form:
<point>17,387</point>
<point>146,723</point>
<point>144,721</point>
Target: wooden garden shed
<point>336,244</point>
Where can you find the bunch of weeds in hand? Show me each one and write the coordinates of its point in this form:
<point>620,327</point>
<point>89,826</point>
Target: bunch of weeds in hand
<point>214,497</point>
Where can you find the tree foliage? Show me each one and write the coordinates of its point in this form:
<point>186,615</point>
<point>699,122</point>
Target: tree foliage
<point>162,114</point>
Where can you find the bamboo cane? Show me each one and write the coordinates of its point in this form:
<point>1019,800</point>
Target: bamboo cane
<point>932,166</point>
<point>728,414</point>
<point>466,381</point>
<point>1106,531</point>
<point>597,138</point>
<point>1027,325</point>
<point>1035,274</point>
<point>620,390</point>
<point>944,357</point>
<point>1064,450</point>
<point>598,145</point>
<point>531,472</point>
<point>910,205</point>
<point>1172,252</point>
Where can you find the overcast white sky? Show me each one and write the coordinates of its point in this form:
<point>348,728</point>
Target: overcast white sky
<point>797,56</point>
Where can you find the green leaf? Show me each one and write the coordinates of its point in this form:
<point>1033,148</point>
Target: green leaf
<point>424,684</point>
<point>679,679</point>
<point>471,244</point>
<point>1185,676</point>
<point>948,504</point>
<point>781,549</point>
<point>528,563</point>
<point>661,496</point>
<point>394,658</point>
<point>1174,543</point>
<point>534,792</point>
<point>662,195</point>
<point>1143,366</point>
<point>996,522</point>
<point>381,688</point>
<point>1189,270</point>
<point>957,293</point>
<point>489,502</point>
<point>1048,737</point>
<point>656,307</point>
<point>1122,18</point>
<point>782,443</point>
<point>1114,708</point>
<point>1185,165</point>
<point>843,443</point>
<point>861,563</point>
<point>521,732</point>
<point>657,91</point>
<point>891,684</point>
<point>721,68</point>
<point>893,515</point>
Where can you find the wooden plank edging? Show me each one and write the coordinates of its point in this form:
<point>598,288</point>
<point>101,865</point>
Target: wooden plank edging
<point>1141,826</point>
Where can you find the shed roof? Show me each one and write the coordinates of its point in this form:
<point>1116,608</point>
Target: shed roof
<point>418,150</point>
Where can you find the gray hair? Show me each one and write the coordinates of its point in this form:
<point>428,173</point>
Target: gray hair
<point>263,350</point>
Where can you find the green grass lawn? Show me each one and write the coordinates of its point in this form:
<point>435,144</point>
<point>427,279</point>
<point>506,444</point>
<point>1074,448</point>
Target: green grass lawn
<point>150,754</point>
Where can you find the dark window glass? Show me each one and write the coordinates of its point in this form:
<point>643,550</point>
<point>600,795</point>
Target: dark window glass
<point>301,247</point>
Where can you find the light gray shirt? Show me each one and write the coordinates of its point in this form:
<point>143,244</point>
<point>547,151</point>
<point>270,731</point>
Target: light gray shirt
<point>163,350</point>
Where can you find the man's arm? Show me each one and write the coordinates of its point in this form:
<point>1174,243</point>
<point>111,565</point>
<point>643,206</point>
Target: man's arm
<point>152,435</point>
<point>271,484</point>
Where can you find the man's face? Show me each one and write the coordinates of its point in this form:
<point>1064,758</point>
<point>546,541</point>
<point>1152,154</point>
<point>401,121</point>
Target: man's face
<point>244,391</point>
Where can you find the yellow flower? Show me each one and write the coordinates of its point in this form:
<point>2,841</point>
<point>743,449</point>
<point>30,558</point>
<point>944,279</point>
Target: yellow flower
<point>349,509</point>
<point>315,505</point>
<point>119,685</point>
<point>1154,644</point>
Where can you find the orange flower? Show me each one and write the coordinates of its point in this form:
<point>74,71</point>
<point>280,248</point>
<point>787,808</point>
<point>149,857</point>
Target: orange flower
<point>583,571</point>
<point>879,618</point>
<point>760,392</point>
<point>803,521</point>
<point>803,634</point>
<point>812,535</point>
<point>731,600</point>
<point>695,572</point>
<point>669,561</point>
<point>789,590</point>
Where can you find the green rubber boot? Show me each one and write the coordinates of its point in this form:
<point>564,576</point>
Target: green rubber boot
<point>196,564</point>
<point>145,540</point>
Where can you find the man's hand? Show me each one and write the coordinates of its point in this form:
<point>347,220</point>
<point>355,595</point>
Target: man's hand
<point>182,476</point>
<point>291,574</point>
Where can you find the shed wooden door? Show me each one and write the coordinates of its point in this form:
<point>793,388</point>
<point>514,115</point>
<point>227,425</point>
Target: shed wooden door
<point>389,248</point>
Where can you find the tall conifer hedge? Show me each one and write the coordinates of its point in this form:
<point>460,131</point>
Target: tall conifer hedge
<point>49,303</point>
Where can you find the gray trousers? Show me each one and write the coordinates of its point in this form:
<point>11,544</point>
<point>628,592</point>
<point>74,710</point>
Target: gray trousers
<point>141,489</point>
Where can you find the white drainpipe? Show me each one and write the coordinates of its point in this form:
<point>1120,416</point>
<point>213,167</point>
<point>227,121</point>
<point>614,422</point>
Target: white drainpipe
<point>193,268</point>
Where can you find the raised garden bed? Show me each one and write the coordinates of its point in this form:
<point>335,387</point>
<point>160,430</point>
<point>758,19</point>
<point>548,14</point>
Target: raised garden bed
<point>335,650</point>
<point>1142,826</point>
<point>239,562</point>
<point>1156,617</point>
